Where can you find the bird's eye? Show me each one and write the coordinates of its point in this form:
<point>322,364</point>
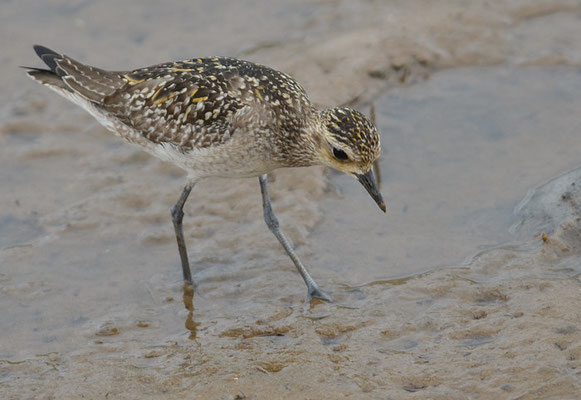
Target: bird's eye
<point>340,154</point>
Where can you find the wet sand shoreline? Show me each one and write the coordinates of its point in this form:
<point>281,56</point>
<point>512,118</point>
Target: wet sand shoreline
<point>89,275</point>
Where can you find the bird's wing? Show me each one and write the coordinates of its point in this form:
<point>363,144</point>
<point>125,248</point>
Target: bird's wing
<point>192,104</point>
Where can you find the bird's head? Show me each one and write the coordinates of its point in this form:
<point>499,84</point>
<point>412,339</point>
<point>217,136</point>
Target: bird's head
<point>349,142</point>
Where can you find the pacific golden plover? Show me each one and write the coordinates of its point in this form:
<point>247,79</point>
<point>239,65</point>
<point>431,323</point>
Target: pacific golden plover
<point>220,117</point>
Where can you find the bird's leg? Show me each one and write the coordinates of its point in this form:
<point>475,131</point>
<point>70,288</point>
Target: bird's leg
<point>273,225</point>
<point>177,215</point>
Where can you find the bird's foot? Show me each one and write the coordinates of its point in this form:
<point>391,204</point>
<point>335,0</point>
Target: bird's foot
<point>315,292</point>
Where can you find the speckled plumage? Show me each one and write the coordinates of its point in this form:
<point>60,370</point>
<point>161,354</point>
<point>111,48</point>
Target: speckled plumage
<point>213,116</point>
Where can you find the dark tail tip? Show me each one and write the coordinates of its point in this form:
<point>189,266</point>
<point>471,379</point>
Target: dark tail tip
<point>48,56</point>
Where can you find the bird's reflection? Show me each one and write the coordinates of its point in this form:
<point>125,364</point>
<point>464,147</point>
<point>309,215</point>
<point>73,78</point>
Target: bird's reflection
<point>188,298</point>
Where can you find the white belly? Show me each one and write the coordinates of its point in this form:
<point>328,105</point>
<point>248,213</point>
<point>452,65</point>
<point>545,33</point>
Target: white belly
<point>228,160</point>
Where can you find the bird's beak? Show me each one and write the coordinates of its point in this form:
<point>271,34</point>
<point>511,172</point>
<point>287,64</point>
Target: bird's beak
<point>368,181</point>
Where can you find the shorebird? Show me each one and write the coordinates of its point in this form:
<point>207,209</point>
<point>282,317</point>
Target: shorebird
<point>220,117</point>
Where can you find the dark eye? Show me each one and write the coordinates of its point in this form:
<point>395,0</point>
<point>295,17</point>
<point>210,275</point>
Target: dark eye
<point>340,154</point>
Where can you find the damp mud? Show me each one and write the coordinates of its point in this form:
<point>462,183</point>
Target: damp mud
<point>469,286</point>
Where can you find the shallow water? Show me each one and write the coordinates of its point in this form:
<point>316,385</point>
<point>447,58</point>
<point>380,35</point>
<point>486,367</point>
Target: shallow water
<point>90,283</point>
<point>460,151</point>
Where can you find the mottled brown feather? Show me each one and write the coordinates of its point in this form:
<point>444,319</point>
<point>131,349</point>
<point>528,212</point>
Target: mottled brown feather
<point>92,83</point>
<point>201,103</point>
<point>193,103</point>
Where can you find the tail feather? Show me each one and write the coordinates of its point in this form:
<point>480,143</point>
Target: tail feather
<point>47,77</point>
<point>92,83</point>
<point>48,56</point>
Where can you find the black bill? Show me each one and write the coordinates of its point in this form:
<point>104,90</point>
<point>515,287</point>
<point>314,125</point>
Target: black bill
<point>368,181</point>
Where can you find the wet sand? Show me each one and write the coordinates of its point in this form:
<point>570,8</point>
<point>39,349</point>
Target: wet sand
<point>468,288</point>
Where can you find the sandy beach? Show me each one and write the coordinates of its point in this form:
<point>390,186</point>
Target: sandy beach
<point>468,288</point>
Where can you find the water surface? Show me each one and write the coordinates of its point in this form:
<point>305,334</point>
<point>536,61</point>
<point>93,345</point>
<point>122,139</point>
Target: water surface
<point>460,151</point>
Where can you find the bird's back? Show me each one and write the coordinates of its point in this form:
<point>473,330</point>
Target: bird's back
<point>190,104</point>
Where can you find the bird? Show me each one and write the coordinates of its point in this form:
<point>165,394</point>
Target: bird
<point>220,117</point>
